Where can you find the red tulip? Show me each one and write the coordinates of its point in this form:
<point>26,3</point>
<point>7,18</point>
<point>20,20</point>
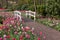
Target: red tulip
<point>14,39</point>
<point>0,27</point>
<point>21,37</point>
<point>39,38</point>
<point>8,36</point>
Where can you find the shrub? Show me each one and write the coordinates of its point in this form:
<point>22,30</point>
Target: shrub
<point>53,8</point>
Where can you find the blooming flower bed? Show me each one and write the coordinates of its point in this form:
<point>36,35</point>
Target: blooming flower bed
<point>13,29</point>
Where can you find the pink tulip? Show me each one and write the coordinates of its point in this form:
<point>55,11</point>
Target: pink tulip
<point>32,30</point>
<point>27,28</point>
<point>4,38</point>
<point>44,37</point>
<point>27,36</point>
<point>12,22</point>
<point>40,33</point>
<point>15,27</point>
<point>1,38</point>
<point>15,32</point>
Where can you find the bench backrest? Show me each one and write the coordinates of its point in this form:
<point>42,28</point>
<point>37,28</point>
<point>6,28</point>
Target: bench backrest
<point>31,13</point>
<point>17,14</point>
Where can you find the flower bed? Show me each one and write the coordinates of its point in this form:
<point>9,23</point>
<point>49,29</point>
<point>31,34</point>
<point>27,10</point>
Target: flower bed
<point>13,29</point>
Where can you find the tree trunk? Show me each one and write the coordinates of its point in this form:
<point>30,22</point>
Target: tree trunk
<point>6,3</point>
<point>35,5</point>
<point>2,3</point>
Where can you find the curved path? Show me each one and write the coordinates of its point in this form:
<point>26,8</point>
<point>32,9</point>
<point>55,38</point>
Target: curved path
<point>50,33</point>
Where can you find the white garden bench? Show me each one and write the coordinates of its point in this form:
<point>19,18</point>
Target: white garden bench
<point>18,14</point>
<point>30,13</point>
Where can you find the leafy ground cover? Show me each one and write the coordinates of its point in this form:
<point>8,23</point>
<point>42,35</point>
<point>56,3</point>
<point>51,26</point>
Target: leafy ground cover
<point>50,23</point>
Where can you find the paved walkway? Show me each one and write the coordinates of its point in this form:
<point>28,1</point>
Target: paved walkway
<point>50,33</point>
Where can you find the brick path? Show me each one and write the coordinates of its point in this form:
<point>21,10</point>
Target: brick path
<point>50,33</point>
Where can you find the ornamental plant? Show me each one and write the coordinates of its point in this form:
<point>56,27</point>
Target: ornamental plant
<point>13,29</point>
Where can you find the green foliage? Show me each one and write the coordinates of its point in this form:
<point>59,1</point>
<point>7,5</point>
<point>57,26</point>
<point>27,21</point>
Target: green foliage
<point>50,8</point>
<point>41,10</point>
<point>24,7</point>
<point>50,23</point>
<point>31,7</point>
<point>18,8</point>
<point>53,7</point>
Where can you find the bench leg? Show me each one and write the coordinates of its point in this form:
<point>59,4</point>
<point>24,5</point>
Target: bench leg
<point>29,16</point>
<point>34,18</point>
<point>26,15</point>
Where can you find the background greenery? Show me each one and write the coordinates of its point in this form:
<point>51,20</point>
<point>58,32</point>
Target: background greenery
<point>50,8</point>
